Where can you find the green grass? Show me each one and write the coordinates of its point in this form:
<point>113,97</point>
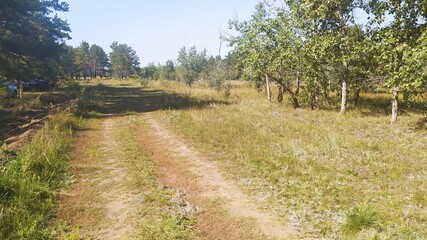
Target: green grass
<point>29,183</point>
<point>314,166</point>
<point>15,111</point>
<point>160,214</point>
<point>361,218</point>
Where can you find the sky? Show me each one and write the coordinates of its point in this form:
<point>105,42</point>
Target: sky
<point>155,29</point>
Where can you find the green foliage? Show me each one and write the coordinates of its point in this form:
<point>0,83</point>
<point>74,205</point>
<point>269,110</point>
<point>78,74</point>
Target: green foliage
<point>30,37</point>
<point>98,61</point>
<point>217,76</point>
<point>168,71</point>
<point>67,65</point>
<point>151,72</point>
<point>192,64</point>
<point>361,218</point>
<point>124,61</point>
<point>168,227</point>
<point>28,184</point>
<point>320,44</point>
<point>82,59</point>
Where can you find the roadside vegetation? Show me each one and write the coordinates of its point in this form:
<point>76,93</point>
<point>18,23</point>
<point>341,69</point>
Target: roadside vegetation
<point>32,173</point>
<point>350,176</point>
<point>29,181</point>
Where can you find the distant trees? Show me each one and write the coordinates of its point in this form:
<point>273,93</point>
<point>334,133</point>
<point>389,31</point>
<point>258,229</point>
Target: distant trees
<point>98,61</point>
<point>82,60</point>
<point>30,37</point>
<point>192,64</point>
<point>168,70</point>
<point>91,61</point>
<point>124,60</point>
<point>151,72</point>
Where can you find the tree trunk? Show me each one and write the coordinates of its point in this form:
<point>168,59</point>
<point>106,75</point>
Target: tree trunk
<point>294,96</point>
<point>344,89</point>
<point>295,102</point>
<point>280,94</point>
<point>315,99</point>
<point>357,96</point>
<point>267,87</point>
<point>297,83</point>
<point>21,89</point>
<point>394,104</point>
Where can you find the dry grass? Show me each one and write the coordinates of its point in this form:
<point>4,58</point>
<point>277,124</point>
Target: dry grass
<point>316,169</point>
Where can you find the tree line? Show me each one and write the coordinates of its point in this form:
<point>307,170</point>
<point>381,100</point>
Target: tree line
<point>313,49</point>
<point>32,44</point>
<point>192,65</point>
<point>91,61</point>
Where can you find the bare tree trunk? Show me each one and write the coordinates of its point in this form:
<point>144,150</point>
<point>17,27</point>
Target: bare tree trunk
<point>280,94</point>
<point>315,99</point>
<point>394,104</point>
<point>21,89</point>
<point>295,102</point>
<point>357,96</point>
<point>267,87</point>
<point>344,89</point>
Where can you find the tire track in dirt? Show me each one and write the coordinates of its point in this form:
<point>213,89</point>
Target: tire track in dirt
<point>100,203</point>
<point>210,181</point>
<point>119,206</point>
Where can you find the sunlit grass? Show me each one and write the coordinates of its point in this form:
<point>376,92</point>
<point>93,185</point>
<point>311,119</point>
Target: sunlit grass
<point>28,183</point>
<point>160,216</point>
<point>314,167</point>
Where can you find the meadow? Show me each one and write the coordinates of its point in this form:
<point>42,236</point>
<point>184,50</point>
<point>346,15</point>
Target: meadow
<point>352,176</point>
<point>328,175</point>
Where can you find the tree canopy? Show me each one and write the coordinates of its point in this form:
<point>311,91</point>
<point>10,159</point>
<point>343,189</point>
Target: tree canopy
<point>317,47</point>
<point>30,37</point>
<point>124,60</point>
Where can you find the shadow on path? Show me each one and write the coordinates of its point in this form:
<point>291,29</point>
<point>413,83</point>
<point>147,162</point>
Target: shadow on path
<point>127,100</point>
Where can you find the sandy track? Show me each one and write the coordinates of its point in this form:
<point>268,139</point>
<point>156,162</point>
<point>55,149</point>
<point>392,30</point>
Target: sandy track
<point>102,206</point>
<point>99,203</point>
<point>211,183</point>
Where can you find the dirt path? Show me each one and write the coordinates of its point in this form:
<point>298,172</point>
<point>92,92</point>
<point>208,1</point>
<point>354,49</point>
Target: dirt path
<point>204,181</point>
<point>103,206</point>
<point>99,203</point>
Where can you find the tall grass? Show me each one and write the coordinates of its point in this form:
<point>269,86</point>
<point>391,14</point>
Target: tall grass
<point>29,183</point>
<point>314,167</point>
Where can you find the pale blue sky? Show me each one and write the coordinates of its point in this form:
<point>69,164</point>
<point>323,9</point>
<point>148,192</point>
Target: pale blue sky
<point>155,29</point>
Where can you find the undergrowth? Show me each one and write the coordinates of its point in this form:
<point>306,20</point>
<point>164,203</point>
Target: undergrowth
<point>29,183</point>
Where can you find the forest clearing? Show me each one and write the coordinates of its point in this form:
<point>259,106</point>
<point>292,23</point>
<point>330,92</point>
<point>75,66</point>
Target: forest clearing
<point>164,161</point>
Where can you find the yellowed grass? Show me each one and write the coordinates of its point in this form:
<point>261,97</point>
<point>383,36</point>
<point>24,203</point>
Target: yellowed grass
<point>314,167</point>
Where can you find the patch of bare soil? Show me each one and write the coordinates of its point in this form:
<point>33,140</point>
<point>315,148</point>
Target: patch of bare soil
<point>99,202</point>
<point>227,212</point>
